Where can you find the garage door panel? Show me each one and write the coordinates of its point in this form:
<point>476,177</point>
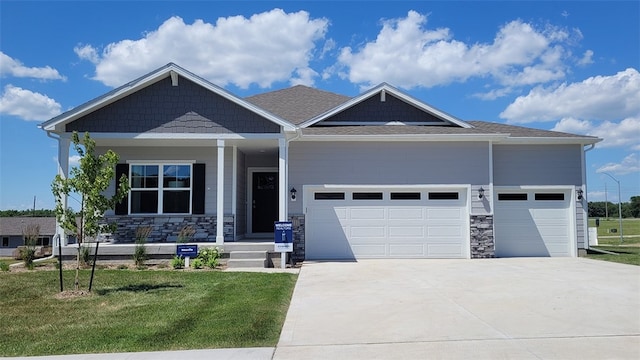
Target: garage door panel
<point>367,232</point>
<point>407,231</point>
<point>406,250</point>
<point>444,213</point>
<point>366,213</point>
<point>444,250</point>
<point>369,250</point>
<point>406,213</point>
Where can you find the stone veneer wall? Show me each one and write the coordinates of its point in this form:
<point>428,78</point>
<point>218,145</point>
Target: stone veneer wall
<point>297,223</point>
<point>166,227</point>
<point>482,241</point>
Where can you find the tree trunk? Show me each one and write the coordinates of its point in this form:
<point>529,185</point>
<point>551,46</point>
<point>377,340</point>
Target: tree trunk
<point>76,283</point>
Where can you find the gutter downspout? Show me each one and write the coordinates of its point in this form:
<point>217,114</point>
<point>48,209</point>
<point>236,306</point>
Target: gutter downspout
<point>59,234</point>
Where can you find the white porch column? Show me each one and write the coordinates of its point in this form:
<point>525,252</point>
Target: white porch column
<point>283,195</point>
<point>220,195</point>
<point>63,170</point>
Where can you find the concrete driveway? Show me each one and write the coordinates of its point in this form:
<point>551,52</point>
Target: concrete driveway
<point>524,308</point>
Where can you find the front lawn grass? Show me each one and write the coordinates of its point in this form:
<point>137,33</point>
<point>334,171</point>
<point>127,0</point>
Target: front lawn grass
<point>132,311</point>
<point>630,227</point>
<point>625,254</point>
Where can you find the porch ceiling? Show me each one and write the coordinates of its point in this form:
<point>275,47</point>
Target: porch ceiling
<point>248,146</point>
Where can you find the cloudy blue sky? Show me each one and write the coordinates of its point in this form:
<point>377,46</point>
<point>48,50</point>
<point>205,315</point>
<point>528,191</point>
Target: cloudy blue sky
<point>569,66</point>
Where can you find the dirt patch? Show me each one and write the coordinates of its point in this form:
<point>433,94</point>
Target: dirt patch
<point>72,294</point>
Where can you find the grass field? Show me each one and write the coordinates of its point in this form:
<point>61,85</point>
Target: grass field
<point>630,227</point>
<point>131,311</point>
<point>624,254</point>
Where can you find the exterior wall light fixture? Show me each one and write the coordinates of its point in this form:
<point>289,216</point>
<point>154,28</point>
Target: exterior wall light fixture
<point>480,193</point>
<point>293,194</point>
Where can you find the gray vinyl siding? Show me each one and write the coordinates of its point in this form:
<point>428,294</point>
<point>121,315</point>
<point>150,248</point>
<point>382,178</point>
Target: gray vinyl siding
<point>163,108</point>
<point>516,165</point>
<point>392,109</point>
<point>481,206</point>
<point>206,155</point>
<point>385,163</point>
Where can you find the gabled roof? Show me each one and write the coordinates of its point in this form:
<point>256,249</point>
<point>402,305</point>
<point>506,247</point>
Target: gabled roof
<point>57,123</point>
<point>298,103</point>
<point>382,90</point>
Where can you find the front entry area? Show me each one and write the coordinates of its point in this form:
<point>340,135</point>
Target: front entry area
<point>264,201</point>
<point>386,222</point>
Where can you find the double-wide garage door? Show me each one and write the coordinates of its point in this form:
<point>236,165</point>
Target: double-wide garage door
<point>533,222</point>
<point>349,223</point>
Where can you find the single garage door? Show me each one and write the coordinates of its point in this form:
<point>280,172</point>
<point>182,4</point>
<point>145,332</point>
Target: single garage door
<point>386,223</point>
<point>533,223</point>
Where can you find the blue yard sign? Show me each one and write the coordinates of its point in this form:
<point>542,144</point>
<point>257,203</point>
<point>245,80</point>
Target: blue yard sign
<point>283,236</point>
<point>187,251</point>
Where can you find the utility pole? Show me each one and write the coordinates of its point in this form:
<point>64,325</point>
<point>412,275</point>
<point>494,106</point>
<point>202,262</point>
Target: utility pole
<point>619,206</point>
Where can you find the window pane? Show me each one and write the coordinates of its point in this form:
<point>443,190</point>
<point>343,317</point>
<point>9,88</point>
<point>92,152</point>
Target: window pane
<point>176,176</point>
<point>405,196</point>
<point>144,176</point>
<point>549,196</point>
<point>367,196</point>
<point>329,196</point>
<point>443,196</point>
<point>512,197</point>
<point>144,202</point>
<point>175,202</point>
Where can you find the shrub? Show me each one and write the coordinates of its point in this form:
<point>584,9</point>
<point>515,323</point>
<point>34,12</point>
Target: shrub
<point>186,233</point>
<point>209,256</point>
<point>177,262</point>
<point>140,252</point>
<point>30,235</point>
<point>4,266</point>
<point>197,263</point>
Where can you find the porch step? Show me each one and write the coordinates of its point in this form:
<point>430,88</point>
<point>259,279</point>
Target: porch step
<point>247,258</point>
<point>230,247</point>
<point>247,263</point>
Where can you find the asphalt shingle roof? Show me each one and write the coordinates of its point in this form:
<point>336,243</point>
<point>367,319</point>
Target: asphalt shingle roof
<point>298,103</point>
<point>13,226</point>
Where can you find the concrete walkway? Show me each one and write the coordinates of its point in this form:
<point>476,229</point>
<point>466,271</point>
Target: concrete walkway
<point>525,308</point>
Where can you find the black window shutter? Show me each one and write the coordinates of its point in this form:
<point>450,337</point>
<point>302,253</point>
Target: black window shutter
<point>122,207</point>
<point>198,192</point>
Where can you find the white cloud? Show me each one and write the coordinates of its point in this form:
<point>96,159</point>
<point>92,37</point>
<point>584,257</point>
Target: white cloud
<point>27,104</point>
<point>596,98</point>
<point>263,49</point>
<point>74,160</point>
<point>587,58</point>
<point>13,67</point>
<point>630,164</point>
<point>625,133</point>
<point>408,55</point>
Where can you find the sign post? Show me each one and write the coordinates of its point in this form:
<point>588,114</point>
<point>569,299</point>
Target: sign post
<point>283,239</point>
<point>187,251</point>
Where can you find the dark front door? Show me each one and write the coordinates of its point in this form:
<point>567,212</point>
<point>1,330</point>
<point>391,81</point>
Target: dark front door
<point>265,201</point>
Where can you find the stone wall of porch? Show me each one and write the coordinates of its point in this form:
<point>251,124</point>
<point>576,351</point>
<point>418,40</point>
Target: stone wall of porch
<point>165,228</point>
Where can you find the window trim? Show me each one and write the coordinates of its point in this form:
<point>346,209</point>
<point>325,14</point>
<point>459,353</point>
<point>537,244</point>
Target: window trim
<point>161,188</point>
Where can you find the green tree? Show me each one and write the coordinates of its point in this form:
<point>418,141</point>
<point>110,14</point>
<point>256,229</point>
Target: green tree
<point>90,180</point>
<point>634,207</point>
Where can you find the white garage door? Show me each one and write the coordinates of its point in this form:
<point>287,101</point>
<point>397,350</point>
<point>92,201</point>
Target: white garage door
<point>381,223</point>
<point>533,223</point>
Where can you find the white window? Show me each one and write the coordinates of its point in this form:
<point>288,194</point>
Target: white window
<point>160,188</point>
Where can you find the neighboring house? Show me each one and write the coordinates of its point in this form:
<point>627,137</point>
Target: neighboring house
<point>13,228</point>
<point>378,175</point>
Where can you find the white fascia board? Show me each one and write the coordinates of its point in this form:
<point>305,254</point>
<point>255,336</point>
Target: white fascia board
<point>549,141</point>
<point>395,92</point>
<point>404,137</point>
<point>186,136</point>
<point>153,77</point>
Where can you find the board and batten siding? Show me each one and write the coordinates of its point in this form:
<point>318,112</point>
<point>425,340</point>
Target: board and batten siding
<point>517,165</point>
<point>206,155</point>
<point>385,163</point>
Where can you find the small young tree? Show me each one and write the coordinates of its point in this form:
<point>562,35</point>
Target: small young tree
<point>91,180</point>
